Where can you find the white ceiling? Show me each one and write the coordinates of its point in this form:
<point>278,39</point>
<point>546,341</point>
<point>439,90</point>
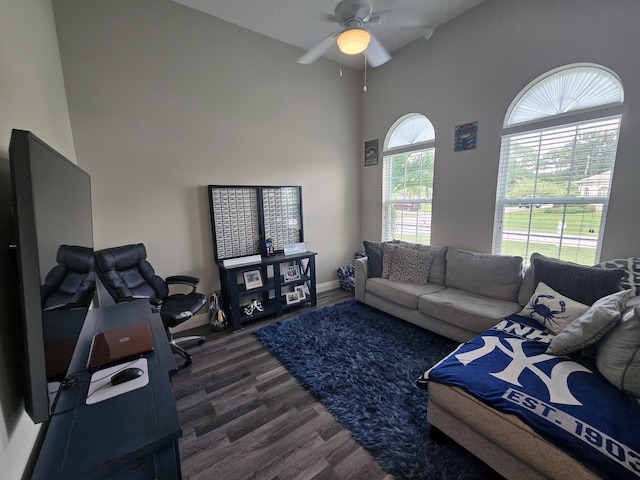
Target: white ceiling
<point>304,23</point>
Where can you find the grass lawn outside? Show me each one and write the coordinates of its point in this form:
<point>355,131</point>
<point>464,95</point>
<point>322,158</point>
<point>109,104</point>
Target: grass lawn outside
<point>582,255</point>
<point>583,221</point>
<point>578,220</point>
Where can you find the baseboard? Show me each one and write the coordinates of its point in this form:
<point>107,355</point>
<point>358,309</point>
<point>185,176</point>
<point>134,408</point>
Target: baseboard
<point>325,287</point>
<point>203,317</point>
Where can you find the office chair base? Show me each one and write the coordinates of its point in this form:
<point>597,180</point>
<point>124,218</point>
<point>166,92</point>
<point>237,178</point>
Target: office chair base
<point>177,349</point>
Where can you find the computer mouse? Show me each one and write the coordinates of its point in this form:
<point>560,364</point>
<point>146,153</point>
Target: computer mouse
<point>126,375</point>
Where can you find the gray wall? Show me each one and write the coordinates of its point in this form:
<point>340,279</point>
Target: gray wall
<point>471,69</point>
<point>32,97</point>
<point>165,100</point>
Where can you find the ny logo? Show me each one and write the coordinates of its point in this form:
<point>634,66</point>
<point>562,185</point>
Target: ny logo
<point>556,382</point>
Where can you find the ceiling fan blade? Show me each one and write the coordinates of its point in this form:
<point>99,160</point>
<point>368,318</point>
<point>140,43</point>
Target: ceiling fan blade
<point>319,50</point>
<point>375,53</point>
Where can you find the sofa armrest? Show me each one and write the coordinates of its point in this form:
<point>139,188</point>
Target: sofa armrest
<point>362,269</point>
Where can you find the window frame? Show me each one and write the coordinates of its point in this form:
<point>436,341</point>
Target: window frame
<point>548,124</point>
<point>426,147</point>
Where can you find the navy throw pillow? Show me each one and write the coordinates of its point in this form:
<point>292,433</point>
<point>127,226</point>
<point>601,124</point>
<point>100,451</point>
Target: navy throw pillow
<point>580,283</point>
<point>374,252</point>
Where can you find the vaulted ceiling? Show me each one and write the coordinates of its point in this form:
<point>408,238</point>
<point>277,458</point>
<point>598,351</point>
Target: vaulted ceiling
<point>305,23</point>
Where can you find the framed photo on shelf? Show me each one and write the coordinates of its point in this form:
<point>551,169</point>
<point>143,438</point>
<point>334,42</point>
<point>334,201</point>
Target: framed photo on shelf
<point>300,291</point>
<point>292,297</point>
<point>292,273</point>
<point>252,279</point>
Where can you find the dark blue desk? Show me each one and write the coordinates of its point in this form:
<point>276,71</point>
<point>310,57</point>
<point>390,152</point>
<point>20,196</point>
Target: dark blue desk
<point>134,435</point>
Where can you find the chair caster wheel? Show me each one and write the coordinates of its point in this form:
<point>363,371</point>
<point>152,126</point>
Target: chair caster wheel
<point>200,342</point>
<point>187,363</point>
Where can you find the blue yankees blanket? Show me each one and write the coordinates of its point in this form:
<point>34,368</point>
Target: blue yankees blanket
<point>565,399</point>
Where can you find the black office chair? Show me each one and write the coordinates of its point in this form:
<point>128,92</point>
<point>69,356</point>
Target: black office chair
<point>72,282</point>
<point>127,275</point>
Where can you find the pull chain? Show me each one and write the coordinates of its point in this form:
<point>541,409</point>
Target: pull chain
<point>365,74</point>
<point>340,61</point>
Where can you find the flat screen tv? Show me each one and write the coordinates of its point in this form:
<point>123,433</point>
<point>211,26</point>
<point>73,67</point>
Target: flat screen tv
<point>51,207</point>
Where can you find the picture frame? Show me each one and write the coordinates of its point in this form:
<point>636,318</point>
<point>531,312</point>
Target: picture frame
<point>292,297</point>
<point>291,273</point>
<point>466,136</point>
<point>252,279</point>
<point>300,291</point>
<point>371,155</point>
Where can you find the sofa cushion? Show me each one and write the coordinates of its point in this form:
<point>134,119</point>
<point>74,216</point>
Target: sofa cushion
<point>373,251</point>
<point>630,272</point>
<point>466,310</point>
<point>551,309</point>
<point>591,326</point>
<point>410,265</point>
<point>404,294</point>
<point>580,283</point>
<point>495,276</point>
<point>618,357</point>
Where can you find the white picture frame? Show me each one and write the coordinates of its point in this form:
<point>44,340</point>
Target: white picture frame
<point>292,297</point>
<point>301,294</point>
<point>252,279</point>
<point>292,272</point>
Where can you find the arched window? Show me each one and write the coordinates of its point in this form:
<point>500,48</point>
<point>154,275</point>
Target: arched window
<point>558,152</point>
<point>407,179</point>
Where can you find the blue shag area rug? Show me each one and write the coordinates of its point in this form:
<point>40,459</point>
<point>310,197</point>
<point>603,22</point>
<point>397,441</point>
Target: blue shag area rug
<point>362,365</point>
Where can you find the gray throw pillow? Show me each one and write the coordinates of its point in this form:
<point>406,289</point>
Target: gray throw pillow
<point>618,357</point>
<point>387,258</point>
<point>580,283</point>
<point>410,265</point>
<point>438,271</point>
<point>591,326</point>
<point>373,251</point>
<point>631,272</point>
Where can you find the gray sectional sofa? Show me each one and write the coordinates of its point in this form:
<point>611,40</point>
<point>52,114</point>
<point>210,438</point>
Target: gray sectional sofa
<point>464,295</point>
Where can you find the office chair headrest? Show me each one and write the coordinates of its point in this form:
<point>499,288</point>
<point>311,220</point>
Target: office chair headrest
<point>76,258</point>
<point>121,258</point>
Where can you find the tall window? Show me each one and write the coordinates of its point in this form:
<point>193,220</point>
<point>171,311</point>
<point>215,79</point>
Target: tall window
<point>407,180</point>
<point>556,163</point>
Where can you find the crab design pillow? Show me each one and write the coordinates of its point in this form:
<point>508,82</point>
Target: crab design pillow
<point>551,309</point>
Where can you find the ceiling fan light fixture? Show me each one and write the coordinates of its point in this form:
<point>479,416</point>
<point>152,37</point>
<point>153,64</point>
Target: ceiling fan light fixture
<point>353,41</point>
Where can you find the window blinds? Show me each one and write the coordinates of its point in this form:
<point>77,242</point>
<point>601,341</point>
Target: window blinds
<point>553,190</point>
<point>407,190</point>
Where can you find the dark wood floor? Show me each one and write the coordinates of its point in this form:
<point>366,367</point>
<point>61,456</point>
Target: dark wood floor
<point>244,416</point>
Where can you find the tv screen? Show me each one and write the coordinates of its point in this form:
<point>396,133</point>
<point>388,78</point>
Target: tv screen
<point>51,207</point>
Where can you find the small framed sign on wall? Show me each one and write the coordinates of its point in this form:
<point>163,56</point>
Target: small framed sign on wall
<point>466,136</point>
<point>371,152</point>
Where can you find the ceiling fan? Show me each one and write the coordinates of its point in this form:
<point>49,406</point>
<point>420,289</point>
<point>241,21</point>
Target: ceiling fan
<point>355,16</point>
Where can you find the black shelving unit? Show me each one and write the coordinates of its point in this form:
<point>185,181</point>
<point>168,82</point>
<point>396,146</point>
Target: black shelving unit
<point>276,286</point>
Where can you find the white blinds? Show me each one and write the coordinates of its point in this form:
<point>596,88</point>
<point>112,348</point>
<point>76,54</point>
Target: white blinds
<point>407,189</point>
<point>412,129</point>
<point>553,190</point>
<point>568,90</point>
<point>407,179</point>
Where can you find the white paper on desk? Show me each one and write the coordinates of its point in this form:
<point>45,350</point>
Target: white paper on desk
<point>100,388</point>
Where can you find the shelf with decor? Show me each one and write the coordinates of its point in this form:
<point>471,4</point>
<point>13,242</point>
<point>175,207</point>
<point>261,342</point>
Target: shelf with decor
<point>277,282</point>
